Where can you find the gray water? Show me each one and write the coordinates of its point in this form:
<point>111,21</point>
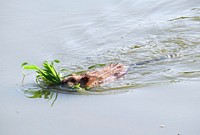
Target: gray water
<point>159,98</point>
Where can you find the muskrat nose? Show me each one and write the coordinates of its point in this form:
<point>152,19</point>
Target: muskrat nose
<point>63,81</point>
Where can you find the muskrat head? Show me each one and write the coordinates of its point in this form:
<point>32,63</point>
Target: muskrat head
<point>85,81</point>
<point>70,81</point>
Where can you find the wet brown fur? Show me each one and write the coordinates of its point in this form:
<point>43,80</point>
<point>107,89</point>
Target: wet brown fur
<point>95,78</point>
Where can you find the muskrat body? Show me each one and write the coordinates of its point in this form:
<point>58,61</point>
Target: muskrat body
<point>108,73</point>
<point>95,78</point>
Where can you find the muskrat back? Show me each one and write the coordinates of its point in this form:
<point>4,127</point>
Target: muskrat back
<point>108,73</point>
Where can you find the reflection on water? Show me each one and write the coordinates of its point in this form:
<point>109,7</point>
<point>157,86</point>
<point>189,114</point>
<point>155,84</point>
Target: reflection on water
<point>37,92</point>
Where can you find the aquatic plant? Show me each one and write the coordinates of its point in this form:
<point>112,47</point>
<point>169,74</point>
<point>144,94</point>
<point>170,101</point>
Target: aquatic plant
<point>47,75</point>
<point>49,80</point>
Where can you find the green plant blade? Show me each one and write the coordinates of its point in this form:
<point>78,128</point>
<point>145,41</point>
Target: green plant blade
<point>56,61</point>
<point>31,67</point>
<point>23,64</point>
<point>96,66</point>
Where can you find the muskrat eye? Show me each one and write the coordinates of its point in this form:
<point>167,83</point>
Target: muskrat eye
<point>72,80</point>
<point>116,74</point>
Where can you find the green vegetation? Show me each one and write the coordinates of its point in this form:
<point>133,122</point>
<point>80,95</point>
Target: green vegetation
<point>49,80</point>
<point>48,75</point>
<point>96,66</point>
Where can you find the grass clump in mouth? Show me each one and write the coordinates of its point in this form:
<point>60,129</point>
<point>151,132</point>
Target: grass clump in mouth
<point>47,78</point>
<point>47,75</point>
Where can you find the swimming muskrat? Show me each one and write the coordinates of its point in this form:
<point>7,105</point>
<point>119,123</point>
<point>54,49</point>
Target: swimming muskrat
<point>95,78</point>
<point>108,73</point>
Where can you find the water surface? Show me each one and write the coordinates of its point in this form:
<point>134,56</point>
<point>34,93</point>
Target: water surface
<point>83,33</point>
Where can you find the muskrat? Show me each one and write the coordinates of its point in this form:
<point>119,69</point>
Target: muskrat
<point>95,78</point>
<point>108,73</point>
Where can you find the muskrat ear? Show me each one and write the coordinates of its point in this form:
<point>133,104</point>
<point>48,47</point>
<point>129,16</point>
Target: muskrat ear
<point>83,81</point>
